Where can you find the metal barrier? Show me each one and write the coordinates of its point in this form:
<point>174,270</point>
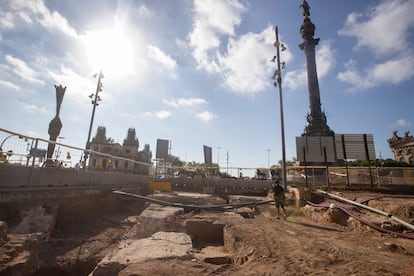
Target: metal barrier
<point>22,150</point>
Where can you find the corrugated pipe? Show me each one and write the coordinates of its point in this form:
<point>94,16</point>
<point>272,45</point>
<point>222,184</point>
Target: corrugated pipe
<point>391,216</point>
<point>370,224</point>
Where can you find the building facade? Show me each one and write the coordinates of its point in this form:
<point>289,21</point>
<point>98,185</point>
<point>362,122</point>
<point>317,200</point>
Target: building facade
<point>402,147</point>
<point>124,158</point>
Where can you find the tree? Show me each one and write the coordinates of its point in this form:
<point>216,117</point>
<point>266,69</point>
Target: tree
<point>288,162</point>
<point>378,163</point>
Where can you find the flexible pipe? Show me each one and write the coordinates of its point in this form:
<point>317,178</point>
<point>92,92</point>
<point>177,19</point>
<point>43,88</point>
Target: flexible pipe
<point>369,199</point>
<point>370,224</point>
<point>410,226</point>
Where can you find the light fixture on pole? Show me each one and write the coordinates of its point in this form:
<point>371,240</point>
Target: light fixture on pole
<point>95,99</point>
<point>268,158</point>
<point>277,76</point>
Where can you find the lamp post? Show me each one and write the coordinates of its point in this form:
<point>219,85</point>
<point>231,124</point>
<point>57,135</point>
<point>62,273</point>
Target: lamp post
<point>95,99</point>
<point>10,152</point>
<point>5,139</point>
<point>277,76</point>
<point>218,160</point>
<point>268,158</point>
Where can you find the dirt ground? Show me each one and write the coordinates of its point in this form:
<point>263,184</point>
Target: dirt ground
<point>263,245</point>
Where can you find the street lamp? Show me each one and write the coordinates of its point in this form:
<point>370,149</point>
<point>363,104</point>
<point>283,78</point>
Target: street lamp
<point>268,158</point>
<point>218,160</point>
<point>95,99</point>
<point>277,76</point>
<point>10,152</point>
<point>5,139</point>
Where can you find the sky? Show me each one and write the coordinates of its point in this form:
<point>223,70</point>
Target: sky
<point>197,72</point>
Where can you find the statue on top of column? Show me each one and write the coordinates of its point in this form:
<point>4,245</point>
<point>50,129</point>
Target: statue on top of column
<point>305,8</point>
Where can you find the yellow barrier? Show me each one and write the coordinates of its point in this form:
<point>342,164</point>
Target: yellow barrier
<point>160,186</point>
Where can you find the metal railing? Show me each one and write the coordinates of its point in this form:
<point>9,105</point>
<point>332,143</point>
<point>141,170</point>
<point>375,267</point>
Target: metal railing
<point>24,150</point>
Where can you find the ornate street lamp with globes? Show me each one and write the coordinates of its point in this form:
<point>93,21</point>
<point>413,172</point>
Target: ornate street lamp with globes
<point>95,99</point>
<point>277,77</point>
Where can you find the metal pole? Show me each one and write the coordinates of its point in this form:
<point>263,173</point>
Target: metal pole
<point>95,103</point>
<point>346,159</point>
<point>282,124</point>
<point>57,155</point>
<point>268,158</point>
<point>327,168</point>
<point>306,170</point>
<point>227,157</point>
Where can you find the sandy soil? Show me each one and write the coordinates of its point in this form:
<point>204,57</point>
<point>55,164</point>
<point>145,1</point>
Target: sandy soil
<point>263,245</point>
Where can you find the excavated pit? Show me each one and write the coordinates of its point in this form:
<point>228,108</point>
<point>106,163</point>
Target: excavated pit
<point>112,234</point>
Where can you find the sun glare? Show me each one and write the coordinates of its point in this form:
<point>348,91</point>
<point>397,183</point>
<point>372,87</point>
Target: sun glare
<point>110,51</point>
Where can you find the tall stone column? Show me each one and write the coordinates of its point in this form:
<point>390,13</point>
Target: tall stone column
<point>317,124</point>
<point>55,125</point>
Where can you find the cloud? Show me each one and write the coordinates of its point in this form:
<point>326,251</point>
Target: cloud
<point>325,58</point>
<point>162,58</point>
<point>6,20</point>
<point>76,84</point>
<point>212,20</point>
<point>182,102</point>
<point>206,116</point>
<point>36,11</point>
<point>295,79</point>
<point>385,29</point>
<point>162,114</point>
<point>325,61</point>
<point>246,65</point>
<point>9,85</point>
<point>34,109</point>
<point>393,71</point>
<point>21,69</point>
<point>402,123</point>
<point>145,12</point>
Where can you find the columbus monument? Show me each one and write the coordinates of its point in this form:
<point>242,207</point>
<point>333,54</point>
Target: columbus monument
<point>317,124</point>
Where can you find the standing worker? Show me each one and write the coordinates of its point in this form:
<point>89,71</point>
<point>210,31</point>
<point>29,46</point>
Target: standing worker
<point>279,197</point>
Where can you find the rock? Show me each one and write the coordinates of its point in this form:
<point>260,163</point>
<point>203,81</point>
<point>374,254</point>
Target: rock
<point>214,255</point>
<point>159,246</point>
<point>3,232</point>
<point>36,220</point>
<point>338,216</point>
<point>19,255</point>
<point>316,214</point>
<point>246,212</point>
<point>394,247</point>
<point>158,218</point>
<point>301,196</point>
<point>395,227</point>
